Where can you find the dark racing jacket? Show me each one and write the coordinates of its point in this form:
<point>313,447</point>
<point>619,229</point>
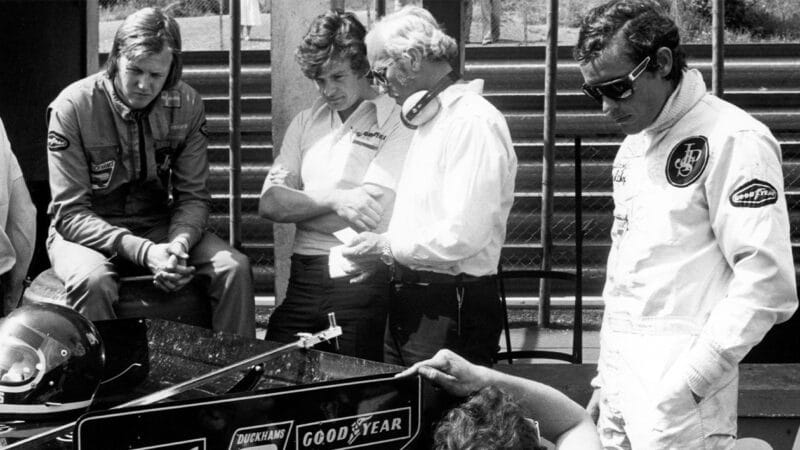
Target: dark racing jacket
<point>115,172</point>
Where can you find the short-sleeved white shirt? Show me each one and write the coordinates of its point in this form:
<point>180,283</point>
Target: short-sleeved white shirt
<point>368,148</point>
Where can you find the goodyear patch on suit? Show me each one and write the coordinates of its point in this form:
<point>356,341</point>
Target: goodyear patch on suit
<point>754,194</point>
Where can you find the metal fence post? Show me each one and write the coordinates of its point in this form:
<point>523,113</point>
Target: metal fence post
<point>235,128</point>
<point>551,61</point>
<point>717,47</point>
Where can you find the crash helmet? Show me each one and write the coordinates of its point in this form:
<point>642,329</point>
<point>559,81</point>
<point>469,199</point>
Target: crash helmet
<point>51,362</point>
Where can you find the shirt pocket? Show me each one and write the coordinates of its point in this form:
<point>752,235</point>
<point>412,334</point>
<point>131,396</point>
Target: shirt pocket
<point>104,164</point>
<point>357,156</point>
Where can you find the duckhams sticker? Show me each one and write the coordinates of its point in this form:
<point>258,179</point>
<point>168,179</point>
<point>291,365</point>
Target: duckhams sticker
<point>272,436</point>
<point>754,194</point>
<point>355,431</point>
<point>687,161</point>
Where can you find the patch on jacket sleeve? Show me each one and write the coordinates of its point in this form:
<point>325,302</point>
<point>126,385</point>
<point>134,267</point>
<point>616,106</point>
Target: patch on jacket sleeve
<point>754,194</point>
<point>687,161</point>
<point>204,128</point>
<point>101,174</point>
<point>171,99</point>
<point>56,141</point>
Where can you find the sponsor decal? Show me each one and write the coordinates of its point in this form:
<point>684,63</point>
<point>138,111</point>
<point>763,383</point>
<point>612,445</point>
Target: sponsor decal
<point>687,161</point>
<point>355,431</point>
<point>271,436</point>
<point>754,194</point>
<point>56,141</point>
<point>191,444</point>
<point>371,134</point>
<point>101,174</point>
<point>369,139</point>
<point>171,99</point>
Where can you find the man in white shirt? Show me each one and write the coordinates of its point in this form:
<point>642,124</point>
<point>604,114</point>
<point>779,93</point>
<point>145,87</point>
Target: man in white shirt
<point>17,226</point>
<point>701,265</point>
<point>453,199</point>
<point>338,168</point>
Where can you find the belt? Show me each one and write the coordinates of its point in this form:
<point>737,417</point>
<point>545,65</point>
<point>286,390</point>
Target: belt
<point>404,275</point>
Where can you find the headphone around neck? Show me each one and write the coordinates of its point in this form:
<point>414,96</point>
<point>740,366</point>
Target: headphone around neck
<point>418,110</point>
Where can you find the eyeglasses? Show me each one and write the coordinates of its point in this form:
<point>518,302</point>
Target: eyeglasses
<point>616,89</point>
<point>378,76</point>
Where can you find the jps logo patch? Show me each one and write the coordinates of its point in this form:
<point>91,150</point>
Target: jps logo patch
<point>101,174</point>
<point>686,161</point>
<point>56,142</point>
<point>754,194</point>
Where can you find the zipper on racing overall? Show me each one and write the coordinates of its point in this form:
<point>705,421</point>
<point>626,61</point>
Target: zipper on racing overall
<point>142,148</point>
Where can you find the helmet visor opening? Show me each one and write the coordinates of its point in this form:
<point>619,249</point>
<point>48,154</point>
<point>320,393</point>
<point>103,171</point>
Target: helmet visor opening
<point>20,363</point>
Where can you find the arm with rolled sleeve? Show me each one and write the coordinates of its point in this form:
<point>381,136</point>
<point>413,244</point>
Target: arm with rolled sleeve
<point>755,242</point>
<point>474,179</point>
<point>71,191</point>
<point>190,182</point>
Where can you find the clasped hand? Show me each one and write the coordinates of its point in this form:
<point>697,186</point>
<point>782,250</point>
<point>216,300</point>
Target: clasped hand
<point>168,263</point>
<point>359,206</point>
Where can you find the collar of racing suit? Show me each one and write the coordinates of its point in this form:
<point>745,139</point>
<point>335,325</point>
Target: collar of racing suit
<point>120,107</point>
<point>690,90</point>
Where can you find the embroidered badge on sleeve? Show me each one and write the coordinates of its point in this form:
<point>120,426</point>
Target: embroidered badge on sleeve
<point>56,142</point>
<point>754,194</point>
<point>687,161</point>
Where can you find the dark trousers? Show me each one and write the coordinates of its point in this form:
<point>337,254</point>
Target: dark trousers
<point>360,308</point>
<point>426,318</point>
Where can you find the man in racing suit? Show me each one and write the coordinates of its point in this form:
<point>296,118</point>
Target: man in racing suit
<point>700,266</point>
<point>127,153</point>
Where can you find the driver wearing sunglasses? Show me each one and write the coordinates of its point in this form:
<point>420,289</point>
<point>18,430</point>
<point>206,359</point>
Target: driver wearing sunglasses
<point>618,88</point>
<point>700,264</point>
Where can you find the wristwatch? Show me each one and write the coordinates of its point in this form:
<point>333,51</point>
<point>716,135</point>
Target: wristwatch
<point>386,253</point>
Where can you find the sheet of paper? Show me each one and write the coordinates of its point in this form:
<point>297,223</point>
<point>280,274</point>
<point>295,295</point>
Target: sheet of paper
<point>338,265</point>
<point>345,235</point>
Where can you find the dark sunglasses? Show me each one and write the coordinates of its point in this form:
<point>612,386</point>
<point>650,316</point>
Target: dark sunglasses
<point>617,89</point>
<point>378,76</point>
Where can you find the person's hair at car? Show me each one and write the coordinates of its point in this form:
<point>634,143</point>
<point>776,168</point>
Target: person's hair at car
<point>489,418</point>
<point>333,36</point>
<point>415,27</point>
<point>146,32</point>
<point>645,25</point>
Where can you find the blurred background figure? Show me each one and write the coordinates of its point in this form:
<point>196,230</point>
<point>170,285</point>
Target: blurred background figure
<point>17,226</point>
<point>490,20</point>
<point>251,17</point>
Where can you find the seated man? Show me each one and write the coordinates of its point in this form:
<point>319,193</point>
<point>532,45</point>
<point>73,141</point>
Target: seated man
<point>127,152</point>
<point>17,226</point>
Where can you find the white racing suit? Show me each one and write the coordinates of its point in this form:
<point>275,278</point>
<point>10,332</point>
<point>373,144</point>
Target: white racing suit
<point>699,270</point>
